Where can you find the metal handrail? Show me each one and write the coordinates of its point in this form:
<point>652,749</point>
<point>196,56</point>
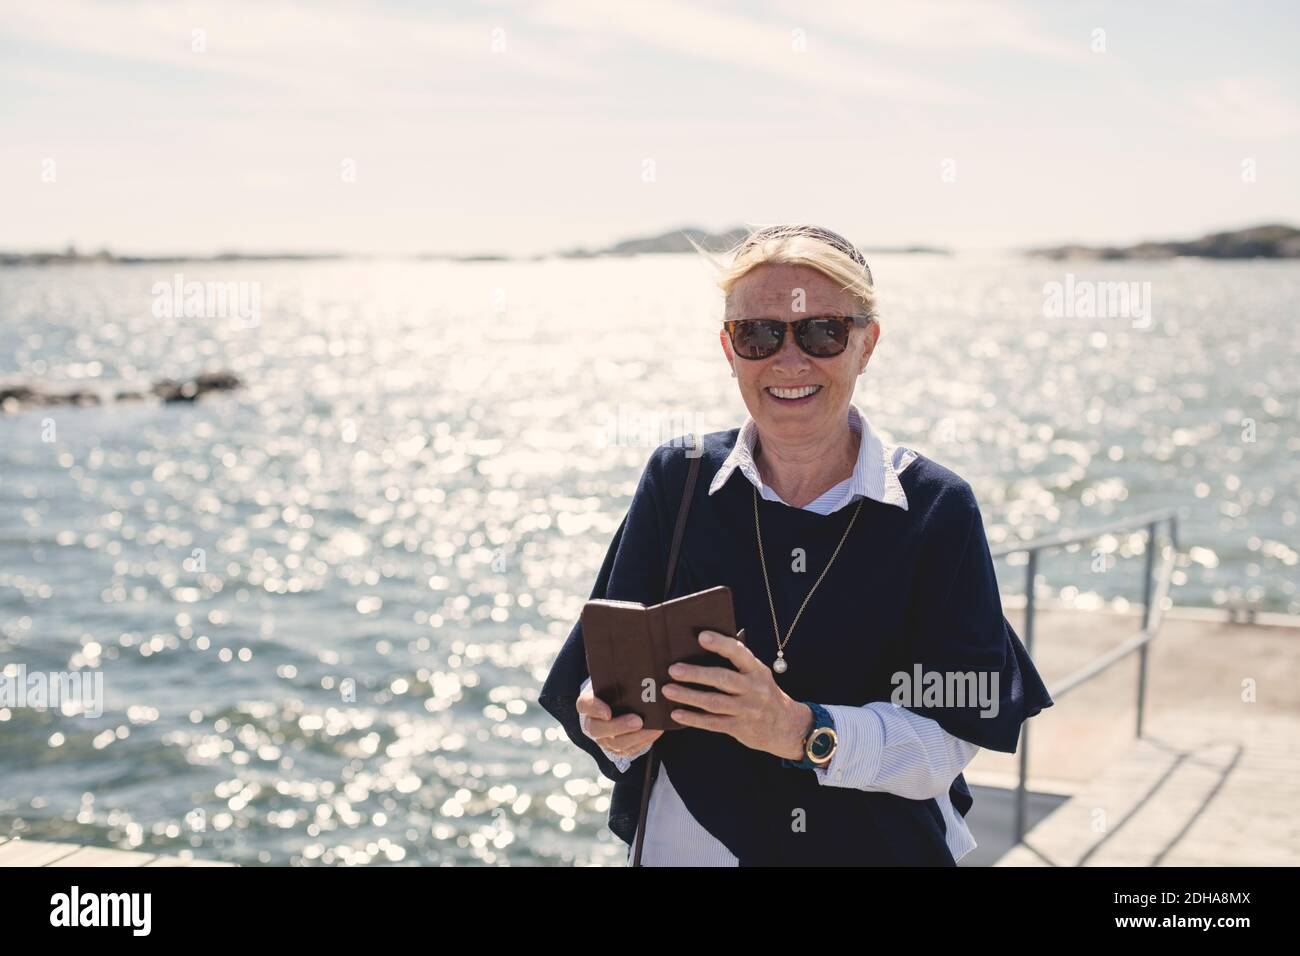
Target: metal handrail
<point>1075,537</point>
<point>1128,647</point>
<point>1154,592</point>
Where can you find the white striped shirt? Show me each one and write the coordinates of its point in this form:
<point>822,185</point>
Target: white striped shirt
<point>881,747</point>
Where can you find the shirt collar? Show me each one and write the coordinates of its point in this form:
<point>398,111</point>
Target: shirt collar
<point>875,474</point>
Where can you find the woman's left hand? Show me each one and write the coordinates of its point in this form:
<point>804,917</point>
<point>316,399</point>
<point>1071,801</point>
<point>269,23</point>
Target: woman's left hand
<point>747,703</point>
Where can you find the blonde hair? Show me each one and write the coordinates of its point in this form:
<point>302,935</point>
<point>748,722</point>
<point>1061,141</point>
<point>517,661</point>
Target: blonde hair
<point>827,252</point>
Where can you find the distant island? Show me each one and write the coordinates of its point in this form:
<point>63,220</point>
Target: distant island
<point>72,256</point>
<point>1275,241</point>
<point>1257,242</point>
<point>677,241</point>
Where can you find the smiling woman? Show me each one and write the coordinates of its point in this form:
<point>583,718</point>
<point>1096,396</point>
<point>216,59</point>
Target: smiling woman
<point>796,754</point>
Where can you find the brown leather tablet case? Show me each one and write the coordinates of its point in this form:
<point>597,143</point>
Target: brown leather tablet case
<point>629,645</point>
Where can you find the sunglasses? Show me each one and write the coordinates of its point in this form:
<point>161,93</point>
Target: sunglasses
<point>821,336</point>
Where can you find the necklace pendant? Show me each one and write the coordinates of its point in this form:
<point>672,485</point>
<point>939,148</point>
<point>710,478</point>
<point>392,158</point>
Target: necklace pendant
<point>779,665</point>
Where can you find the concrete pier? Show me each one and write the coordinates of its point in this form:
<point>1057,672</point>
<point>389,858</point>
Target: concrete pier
<point>18,852</point>
<point>1215,779</point>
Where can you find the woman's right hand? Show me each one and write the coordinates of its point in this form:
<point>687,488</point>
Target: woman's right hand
<point>622,736</point>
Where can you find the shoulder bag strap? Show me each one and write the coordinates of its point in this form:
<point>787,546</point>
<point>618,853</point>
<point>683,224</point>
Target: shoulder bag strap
<point>651,766</point>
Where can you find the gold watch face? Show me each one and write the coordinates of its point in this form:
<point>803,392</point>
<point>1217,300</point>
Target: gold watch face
<point>821,745</point>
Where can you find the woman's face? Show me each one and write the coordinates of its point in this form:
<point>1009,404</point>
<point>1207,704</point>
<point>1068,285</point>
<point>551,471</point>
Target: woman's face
<point>776,291</point>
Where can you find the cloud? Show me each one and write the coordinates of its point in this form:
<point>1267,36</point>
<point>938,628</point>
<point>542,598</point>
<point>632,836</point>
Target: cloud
<point>386,58</point>
<point>1244,107</point>
<point>978,25</point>
<point>341,49</point>
<point>737,42</point>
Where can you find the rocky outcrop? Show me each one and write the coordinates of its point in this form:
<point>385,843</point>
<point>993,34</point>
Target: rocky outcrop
<point>15,398</point>
<point>187,391</point>
<point>1259,242</point>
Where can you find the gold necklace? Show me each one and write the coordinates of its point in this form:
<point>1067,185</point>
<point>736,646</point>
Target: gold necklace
<point>779,665</point>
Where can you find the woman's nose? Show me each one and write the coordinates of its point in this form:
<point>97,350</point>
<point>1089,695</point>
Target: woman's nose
<point>790,356</point>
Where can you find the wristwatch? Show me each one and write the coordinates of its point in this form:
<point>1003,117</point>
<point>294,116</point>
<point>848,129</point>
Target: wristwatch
<point>819,746</point>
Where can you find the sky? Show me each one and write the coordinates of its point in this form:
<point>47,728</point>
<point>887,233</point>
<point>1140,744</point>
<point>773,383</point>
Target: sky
<point>161,127</point>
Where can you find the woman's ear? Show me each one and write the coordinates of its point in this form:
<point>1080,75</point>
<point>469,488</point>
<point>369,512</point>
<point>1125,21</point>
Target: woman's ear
<point>869,345</point>
<point>726,350</point>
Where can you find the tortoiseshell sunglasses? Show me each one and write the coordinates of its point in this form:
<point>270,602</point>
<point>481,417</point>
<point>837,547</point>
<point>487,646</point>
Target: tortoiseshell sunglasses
<point>822,336</point>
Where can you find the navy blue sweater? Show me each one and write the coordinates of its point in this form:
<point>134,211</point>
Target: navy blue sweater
<point>910,589</point>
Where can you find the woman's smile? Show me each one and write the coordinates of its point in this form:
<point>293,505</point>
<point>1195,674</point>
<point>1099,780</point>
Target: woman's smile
<point>800,395</point>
